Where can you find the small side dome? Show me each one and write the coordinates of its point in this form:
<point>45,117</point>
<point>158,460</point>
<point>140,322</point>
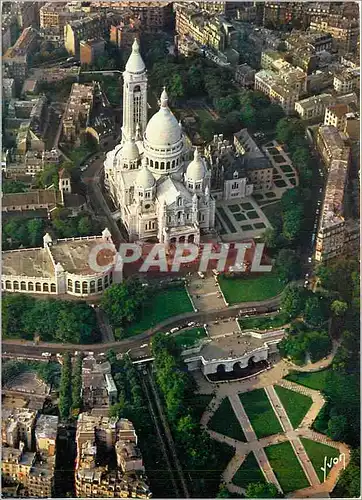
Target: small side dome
<point>130,151</point>
<point>196,170</point>
<point>144,179</point>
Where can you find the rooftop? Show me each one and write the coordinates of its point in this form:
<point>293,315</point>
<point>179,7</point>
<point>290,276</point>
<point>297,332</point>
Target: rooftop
<point>230,347</point>
<point>47,427</point>
<point>30,262</point>
<point>49,197</point>
<point>332,210</point>
<point>338,110</point>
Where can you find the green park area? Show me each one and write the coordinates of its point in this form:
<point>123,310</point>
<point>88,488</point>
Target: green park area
<point>160,305</point>
<point>260,413</point>
<point>286,467</point>
<point>295,404</point>
<point>224,421</point>
<point>190,338</point>
<point>313,380</point>
<point>318,453</point>
<point>250,289</point>
<point>248,472</point>
<point>264,322</point>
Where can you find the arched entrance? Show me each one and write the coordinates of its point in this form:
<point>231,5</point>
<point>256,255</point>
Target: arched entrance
<point>181,239</point>
<point>220,369</point>
<point>191,238</point>
<point>251,362</point>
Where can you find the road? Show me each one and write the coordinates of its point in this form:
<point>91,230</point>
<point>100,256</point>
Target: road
<point>19,348</point>
<point>104,326</point>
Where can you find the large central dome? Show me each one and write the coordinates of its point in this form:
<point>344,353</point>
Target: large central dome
<point>163,128</point>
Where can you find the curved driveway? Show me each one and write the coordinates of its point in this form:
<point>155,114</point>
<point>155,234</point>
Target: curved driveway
<point>28,348</point>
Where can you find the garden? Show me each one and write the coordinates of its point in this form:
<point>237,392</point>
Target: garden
<point>248,472</point>
<point>313,380</point>
<point>317,453</point>
<point>260,412</point>
<point>163,303</point>
<point>264,322</point>
<point>295,404</point>
<point>249,289</point>
<point>286,467</point>
<point>224,421</point>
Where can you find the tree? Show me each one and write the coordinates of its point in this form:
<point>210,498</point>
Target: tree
<point>292,221</point>
<point>261,490</point>
<point>338,307</point>
<point>85,226</point>
<point>289,128</point>
<point>122,301</point>
<point>337,428</point>
<point>176,88</point>
<point>287,265</point>
<point>292,300</point>
<point>36,230</point>
<point>314,312</point>
<point>319,345</point>
<point>225,105</point>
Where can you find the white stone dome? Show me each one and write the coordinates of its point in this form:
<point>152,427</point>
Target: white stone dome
<point>130,151</point>
<point>163,129</point>
<point>145,179</point>
<point>196,170</point>
<point>135,62</point>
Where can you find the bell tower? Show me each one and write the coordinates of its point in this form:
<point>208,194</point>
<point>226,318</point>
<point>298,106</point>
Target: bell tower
<point>134,95</point>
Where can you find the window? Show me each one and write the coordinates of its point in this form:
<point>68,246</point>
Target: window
<point>8,285</point>
<point>100,285</point>
<point>147,206</point>
<point>162,165</point>
<point>77,287</point>
<point>111,277</point>
<point>84,287</point>
<point>235,185</point>
<point>70,285</point>
<point>92,286</point>
<point>53,288</point>
<point>30,285</point>
<point>23,285</point>
<point>37,287</point>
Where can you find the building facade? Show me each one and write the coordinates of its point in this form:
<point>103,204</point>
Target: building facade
<point>159,193</point>
<point>67,266</point>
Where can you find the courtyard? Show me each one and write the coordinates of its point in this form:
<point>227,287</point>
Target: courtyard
<point>267,420</point>
<point>240,219</point>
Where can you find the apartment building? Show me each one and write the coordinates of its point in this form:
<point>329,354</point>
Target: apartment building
<point>125,32</point>
<point>17,425</point>
<point>34,470</point>
<point>346,80</point>
<point>26,123</point>
<point>77,112</point>
<point>344,31</point>
<point>16,58</point>
<point>257,167</point>
<point>331,231</point>
<point>93,26</point>
<point>342,117</point>
<point>93,480</point>
<point>319,42</point>
<point>90,50</point>
<point>314,106</point>
<point>154,15</point>
<point>332,144</point>
<point>244,75</point>
<point>277,90</point>
<point>9,27</point>
<point>8,88</point>
<point>98,387</point>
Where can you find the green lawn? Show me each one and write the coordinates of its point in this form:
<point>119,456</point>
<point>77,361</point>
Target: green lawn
<point>203,114</point>
<point>248,472</point>
<point>199,403</point>
<point>286,467</point>
<point>189,338</point>
<point>295,404</point>
<point>260,413</point>
<point>317,452</point>
<point>163,304</point>
<point>263,322</point>
<point>224,421</point>
<point>250,289</point>
<point>313,380</point>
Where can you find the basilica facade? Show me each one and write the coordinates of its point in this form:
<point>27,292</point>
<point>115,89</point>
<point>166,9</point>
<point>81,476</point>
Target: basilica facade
<point>161,194</point>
